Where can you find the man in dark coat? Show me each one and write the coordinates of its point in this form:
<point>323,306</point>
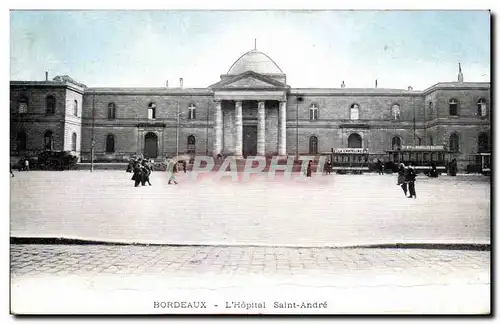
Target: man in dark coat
<point>184,165</point>
<point>147,172</point>
<point>137,177</point>
<point>410,178</point>
<point>309,169</point>
<point>402,178</point>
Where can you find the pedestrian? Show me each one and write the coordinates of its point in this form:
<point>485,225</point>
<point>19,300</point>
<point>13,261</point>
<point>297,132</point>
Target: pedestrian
<point>26,164</point>
<point>309,167</point>
<point>137,175</point>
<point>130,166</point>
<point>453,168</point>
<point>379,167</point>
<point>147,172</point>
<point>328,167</point>
<point>410,178</point>
<point>184,165</point>
<point>402,178</point>
<point>11,173</point>
<point>173,170</point>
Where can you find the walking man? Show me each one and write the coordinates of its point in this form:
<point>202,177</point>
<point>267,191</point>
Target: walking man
<point>137,175</point>
<point>410,177</point>
<point>309,169</point>
<point>147,172</point>
<point>402,178</point>
<point>172,169</point>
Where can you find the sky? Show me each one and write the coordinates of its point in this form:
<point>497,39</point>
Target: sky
<point>314,48</point>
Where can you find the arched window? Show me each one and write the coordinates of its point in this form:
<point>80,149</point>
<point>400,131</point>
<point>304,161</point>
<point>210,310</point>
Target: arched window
<point>481,107</point>
<point>110,143</point>
<point>313,112</point>
<point>75,108</point>
<point>354,141</point>
<point>419,140</point>
<point>313,145</point>
<point>21,141</point>
<point>152,111</point>
<point>483,144</point>
<point>191,144</point>
<point>396,112</point>
<point>50,105</point>
<point>48,140</point>
<point>453,107</point>
<point>111,111</point>
<point>396,143</point>
<point>454,143</point>
<point>431,108</point>
<point>431,140</point>
<point>192,111</point>
<point>23,105</point>
<point>354,112</point>
<point>73,142</point>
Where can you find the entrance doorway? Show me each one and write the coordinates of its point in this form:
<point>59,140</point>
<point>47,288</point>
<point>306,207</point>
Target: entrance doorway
<point>249,140</point>
<point>150,146</point>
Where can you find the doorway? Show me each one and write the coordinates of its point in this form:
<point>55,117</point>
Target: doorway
<point>249,140</point>
<point>150,145</point>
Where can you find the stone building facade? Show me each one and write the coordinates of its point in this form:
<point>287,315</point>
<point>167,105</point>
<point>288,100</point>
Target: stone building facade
<point>250,111</point>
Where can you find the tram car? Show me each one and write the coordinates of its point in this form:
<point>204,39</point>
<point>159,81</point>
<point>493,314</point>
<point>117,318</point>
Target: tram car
<point>480,163</point>
<point>350,160</point>
<point>422,157</point>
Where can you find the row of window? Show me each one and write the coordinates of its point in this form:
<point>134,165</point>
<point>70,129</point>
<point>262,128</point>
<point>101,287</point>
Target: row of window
<point>151,111</point>
<point>353,141</point>
<point>50,107</point>
<point>110,143</point>
<point>48,141</point>
<point>453,106</point>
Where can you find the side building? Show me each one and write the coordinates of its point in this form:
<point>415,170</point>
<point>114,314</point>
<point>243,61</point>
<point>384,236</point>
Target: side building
<point>250,111</point>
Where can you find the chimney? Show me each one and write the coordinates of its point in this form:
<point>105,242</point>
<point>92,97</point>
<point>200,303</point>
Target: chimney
<point>181,82</point>
<point>342,85</point>
<point>167,84</point>
<point>410,88</point>
<point>376,83</point>
<point>46,76</point>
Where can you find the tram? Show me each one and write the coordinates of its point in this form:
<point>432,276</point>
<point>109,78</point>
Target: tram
<point>350,160</point>
<point>422,157</point>
<point>480,163</point>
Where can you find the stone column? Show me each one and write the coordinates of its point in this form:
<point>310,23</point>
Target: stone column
<point>282,129</point>
<point>261,129</point>
<point>218,128</point>
<point>238,122</point>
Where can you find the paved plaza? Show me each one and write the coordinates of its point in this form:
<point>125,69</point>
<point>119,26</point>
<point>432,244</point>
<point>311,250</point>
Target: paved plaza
<point>264,240</point>
<point>335,210</point>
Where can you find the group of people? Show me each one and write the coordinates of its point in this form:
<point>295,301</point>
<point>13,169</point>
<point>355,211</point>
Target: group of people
<point>406,179</point>
<point>141,169</point>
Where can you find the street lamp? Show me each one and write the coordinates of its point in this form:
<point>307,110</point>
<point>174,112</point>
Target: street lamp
<point>299,99</point>
<point>92,145</point>
<point>177,132</point>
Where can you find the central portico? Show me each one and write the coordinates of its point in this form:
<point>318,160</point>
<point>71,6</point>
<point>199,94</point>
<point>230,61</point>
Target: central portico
<point>250,108</point>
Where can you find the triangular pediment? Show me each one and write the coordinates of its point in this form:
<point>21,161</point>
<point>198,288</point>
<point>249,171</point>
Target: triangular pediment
<point>249,80</point>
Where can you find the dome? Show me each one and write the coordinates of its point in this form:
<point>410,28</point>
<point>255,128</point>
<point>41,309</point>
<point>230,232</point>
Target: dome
<point>255,61</point>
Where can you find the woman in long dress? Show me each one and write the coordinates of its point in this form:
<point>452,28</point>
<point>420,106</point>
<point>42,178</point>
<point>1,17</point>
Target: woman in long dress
<point>402,178</point>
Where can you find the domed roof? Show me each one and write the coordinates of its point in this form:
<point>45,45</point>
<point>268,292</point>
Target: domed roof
<point>255,61</point>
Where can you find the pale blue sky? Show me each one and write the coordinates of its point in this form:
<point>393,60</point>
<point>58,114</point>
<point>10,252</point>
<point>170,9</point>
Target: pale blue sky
<point>314,48</point>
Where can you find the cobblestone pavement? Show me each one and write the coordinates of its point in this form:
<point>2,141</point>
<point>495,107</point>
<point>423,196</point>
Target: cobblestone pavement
<point>428,266</point>
<point>107,279</point>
